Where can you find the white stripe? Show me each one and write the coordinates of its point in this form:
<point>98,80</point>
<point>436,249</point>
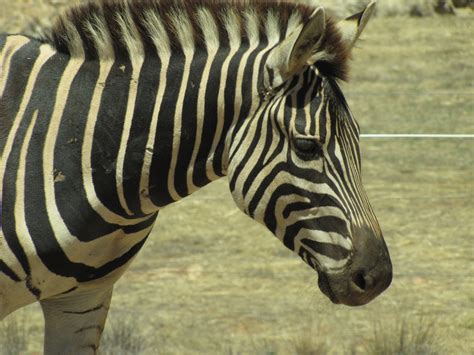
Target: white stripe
<point>211,38</point>
<point>252,33</point>
<point>184,32</point>
<point>161,42</point>
<point>45,53</point>
<point>7,256</point>
<point>416,135</point>
<point>137,57</point>
<point>137,64</point>
<point>60,230</point>
<point>232,28</point>
<point>12,45</point>
<point>325,263</point>
<point>177,124</point>
<point>49,281</point>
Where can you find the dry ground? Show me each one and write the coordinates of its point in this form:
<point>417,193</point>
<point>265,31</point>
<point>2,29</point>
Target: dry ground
<point>210,280</point>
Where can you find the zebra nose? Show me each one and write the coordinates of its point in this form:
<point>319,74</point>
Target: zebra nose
<point>356,286</point>
<point>368,284</point>
<point>370,272</point>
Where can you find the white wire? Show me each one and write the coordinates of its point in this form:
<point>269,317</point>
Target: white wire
<point>416,135</point>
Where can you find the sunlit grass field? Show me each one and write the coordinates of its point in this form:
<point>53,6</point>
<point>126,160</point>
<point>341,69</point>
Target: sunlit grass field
<point>212,281</point>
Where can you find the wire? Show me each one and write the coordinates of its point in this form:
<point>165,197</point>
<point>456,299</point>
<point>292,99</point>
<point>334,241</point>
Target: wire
<point>417,135</point>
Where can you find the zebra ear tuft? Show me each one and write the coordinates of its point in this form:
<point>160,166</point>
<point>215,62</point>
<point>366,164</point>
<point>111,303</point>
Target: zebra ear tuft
<point>352,27</point>
<point>291,55</point>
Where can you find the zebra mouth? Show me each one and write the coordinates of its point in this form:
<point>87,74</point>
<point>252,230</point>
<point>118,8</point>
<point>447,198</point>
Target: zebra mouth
<point>325,288</point>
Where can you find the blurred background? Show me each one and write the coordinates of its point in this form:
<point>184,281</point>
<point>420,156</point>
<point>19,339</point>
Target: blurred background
<point>212,281</point>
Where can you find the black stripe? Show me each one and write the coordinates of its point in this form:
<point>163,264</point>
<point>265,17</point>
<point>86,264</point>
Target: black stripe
<point>210,120</point>
<point>287,189</point>
<point>9,197</point>
<point>335,252</point>
<point>33,289</point>
<point>93,309</point>
<point>267,137</point>
<point>21,65</point>
<point>326,224</point>
<point>249,149</point>
<point>305,255</point>
<point>162,149</point>
<point>140,226</point>
<point>322,121</point>
<point>315,200</point>
<point>246,104</point>
<point>9,272</point>
<point>72,289</point>
<point>300,103</point>
<point>189,124</point>
<point>97,328</point>
<point>148,84</point>
<point>229,99</point>
<point>108,134</point>
<point>338,173</point>
<point>280,133</point>
<point>79,216</point>
<point>247,86</point>
<point>313,108</point>
<point>271,136</point>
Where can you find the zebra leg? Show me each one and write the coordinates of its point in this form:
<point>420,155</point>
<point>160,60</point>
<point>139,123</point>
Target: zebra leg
<point>74,323</point>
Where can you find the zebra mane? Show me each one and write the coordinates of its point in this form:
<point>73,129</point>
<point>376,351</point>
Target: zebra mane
<point>120,28</point>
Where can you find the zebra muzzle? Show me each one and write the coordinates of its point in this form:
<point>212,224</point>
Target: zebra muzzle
<point>367,275</point>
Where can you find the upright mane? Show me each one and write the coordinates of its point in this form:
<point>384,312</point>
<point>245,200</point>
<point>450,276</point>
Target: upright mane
<point>118,28</point>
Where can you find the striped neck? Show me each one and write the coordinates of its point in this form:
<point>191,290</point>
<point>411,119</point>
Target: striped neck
<point>207,95</point>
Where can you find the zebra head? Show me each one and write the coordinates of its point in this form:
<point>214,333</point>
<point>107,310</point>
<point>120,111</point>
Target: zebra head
<point>295,165</point>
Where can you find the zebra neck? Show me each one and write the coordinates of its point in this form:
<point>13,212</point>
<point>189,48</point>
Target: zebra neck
<point>200,98</point>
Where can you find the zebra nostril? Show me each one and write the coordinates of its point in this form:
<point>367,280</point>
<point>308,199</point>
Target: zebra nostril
<point>360,280</point>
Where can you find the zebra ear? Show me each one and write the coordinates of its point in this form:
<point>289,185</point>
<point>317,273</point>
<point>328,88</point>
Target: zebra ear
<point>292,54</point>
<point>352,27</point>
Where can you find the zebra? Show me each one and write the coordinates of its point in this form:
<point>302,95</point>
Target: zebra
<point>123,107</point>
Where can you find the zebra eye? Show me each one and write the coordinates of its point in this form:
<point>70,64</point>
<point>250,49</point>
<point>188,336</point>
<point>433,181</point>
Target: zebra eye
<point>308,148</point>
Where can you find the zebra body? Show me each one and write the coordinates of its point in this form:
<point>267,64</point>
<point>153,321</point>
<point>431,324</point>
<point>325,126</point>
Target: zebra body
<point>127,107</point>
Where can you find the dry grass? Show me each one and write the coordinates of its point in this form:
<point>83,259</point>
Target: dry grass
<point>311,346</point>
<point>123,337</point>
<point>404,337</point>
<point>390,8</point>
<point>13,336</point>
